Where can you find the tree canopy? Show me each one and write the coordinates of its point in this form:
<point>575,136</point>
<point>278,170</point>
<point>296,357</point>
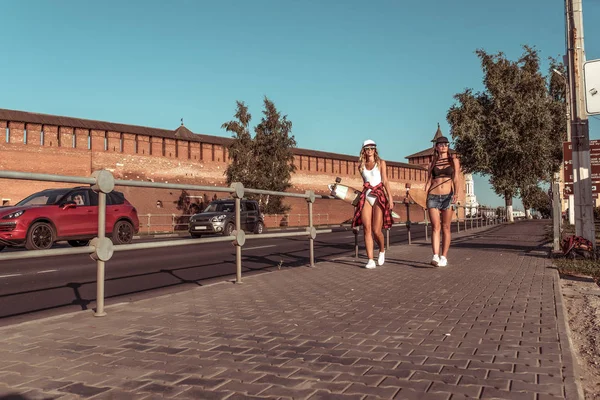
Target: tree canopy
<point>513,130</point>
<point>264,161</point>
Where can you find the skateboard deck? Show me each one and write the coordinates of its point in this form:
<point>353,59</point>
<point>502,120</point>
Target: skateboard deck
<point>349,194</point>
<point>417,196</point>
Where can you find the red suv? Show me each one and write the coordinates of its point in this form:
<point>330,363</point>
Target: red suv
<point>65,214</point>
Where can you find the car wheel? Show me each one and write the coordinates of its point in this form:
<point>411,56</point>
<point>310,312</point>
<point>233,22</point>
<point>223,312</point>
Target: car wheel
<point>40,236</point>
<point>228,229</point>
<point>122,232</point>
<point>259,227</point>
<point>78,243</point>
<point>196,235</point>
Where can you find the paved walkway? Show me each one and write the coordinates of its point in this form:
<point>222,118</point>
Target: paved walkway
<point>488,326</point>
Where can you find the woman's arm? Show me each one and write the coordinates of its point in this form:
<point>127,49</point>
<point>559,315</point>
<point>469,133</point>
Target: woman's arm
<point>456,181</point>
<point>386,184</point>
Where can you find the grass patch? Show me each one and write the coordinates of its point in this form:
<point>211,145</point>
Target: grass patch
<point>588,268</point>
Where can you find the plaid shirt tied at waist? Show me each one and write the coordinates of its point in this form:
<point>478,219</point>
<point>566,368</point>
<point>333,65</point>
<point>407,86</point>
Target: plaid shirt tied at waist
<point>379,192</point>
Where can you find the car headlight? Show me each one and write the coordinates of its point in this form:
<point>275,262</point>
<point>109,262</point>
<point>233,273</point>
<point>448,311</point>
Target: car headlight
<point>218,218</point>
<point>14,215</point>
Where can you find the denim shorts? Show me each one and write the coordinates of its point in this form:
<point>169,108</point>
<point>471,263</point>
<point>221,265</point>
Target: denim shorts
<point>439,201</point>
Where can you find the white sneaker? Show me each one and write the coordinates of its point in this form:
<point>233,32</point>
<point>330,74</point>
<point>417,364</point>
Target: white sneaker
<point>381,258</point>
<point>443,262</point>
<point>435,260</point>
<point>370,264</point>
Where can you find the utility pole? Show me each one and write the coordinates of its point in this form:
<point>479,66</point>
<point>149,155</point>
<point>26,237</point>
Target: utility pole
<point>580,133</point>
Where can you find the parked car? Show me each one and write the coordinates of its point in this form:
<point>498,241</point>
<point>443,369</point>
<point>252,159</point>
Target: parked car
<point>71,214</point>
<point>219,217</point>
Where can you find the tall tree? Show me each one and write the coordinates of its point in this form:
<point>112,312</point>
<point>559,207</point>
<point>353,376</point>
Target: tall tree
<point>505,131</point>
<point>536,198</point>
<point>241,150</point>
<point>265,161</point>
<point>273,145</point>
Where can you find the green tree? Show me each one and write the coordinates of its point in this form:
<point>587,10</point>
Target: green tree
<point>265,161</point>
<point>274,157</point>
<point>506,131</point>
<point>535,197</point>
<point>241,150</point>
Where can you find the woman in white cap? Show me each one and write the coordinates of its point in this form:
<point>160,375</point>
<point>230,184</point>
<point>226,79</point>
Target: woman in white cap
<point>375,205</point>
<point>442,188</point>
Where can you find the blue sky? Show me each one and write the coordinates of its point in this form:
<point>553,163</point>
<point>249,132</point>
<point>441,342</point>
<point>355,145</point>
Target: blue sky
<point>343,71</point>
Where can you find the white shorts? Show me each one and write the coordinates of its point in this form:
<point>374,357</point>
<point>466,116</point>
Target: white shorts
<point>369,198</point>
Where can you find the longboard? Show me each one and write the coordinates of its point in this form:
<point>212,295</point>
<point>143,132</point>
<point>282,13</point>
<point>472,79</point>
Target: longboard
<point>349,194</point>
<point>417,196</point>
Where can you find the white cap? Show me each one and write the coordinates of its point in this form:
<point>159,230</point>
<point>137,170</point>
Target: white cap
<point>369,142</point>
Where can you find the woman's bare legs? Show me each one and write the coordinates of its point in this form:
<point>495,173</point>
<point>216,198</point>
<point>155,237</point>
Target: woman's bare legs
<point>434,218</point>
<point>446,221</point>
<point>377,225</point>
<point>367,219</point>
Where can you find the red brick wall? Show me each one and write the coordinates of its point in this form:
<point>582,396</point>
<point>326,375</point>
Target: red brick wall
<point>205,167</point>
<point>16,133</point>
<point>81,138</point>
<point>34,134</point>
<point>98,140</point>
<point>129,142</point>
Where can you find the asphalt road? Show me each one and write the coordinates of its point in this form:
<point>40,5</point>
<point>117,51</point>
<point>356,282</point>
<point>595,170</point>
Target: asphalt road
<point>36,288</point>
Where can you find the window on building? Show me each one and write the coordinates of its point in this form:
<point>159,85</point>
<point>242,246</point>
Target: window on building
<point>105,143</point>
<point>7,135</point>
<point>42,137</point>
<point>73,141</point>
<point>89,142</point>
<point>135,144</point>
<point>120,142</point>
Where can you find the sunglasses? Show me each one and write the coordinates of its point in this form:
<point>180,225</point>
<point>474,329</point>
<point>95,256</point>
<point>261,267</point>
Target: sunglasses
<point>443,144</point>
<point>369,148</point>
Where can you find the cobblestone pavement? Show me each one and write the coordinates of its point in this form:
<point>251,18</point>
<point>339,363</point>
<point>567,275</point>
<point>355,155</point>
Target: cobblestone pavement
<point>490,325</point>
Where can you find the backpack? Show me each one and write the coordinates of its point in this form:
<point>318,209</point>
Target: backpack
<point>577,247</point>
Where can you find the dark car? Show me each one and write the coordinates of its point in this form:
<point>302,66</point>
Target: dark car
<point>219,217</point>
<point>71,214</point>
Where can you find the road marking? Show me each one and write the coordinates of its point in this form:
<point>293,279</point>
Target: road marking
<point>259,247</point>
<point>8,276</point>
<point>348,237</point>
<point>47,271</point>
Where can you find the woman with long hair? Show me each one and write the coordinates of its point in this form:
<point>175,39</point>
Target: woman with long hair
<point>375,205</point>
<point>443,190</point>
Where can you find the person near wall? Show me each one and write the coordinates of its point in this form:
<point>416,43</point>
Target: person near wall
<point>375,206</point>
<point>442,188</point>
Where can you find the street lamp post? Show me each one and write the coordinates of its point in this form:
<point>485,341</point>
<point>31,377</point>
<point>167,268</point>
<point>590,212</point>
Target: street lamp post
<point>567,100</point>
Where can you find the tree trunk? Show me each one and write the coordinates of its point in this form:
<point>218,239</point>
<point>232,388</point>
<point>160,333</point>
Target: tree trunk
<point>509,209</point>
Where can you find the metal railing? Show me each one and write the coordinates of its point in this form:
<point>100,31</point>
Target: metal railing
<point>174,222</point>
<point>101,248</point>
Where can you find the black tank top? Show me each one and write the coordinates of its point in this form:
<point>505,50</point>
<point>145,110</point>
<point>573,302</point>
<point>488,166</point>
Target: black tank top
<point>442,169</point>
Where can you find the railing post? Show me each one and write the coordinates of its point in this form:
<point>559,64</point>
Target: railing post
<point>148,224</point>
<point>105,183</point>
<point>172,222</point>
<point>457,219</point>
<point>387,237</point>
<point>355,231</point>
<point>311,238</point>
<point>240,237</point>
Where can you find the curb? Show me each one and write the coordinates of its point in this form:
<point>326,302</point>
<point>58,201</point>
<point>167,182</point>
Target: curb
<point>573,388</point>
